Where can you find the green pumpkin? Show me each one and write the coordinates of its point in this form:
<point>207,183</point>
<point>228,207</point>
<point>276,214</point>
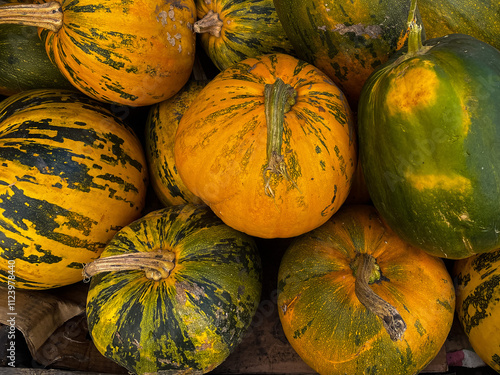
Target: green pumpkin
<point>24,64</point>
<point>174,291</point>
<point>345,39</point>
<point>429,133</point>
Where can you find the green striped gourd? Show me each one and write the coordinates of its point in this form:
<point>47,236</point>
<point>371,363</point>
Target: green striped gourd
<point>174,291</point>
<point>161,126</point>
<point>72,174</point>
<point>231,31</point>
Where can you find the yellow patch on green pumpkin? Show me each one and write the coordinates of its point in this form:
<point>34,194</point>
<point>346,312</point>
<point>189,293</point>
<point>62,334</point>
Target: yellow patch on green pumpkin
<point>429,181</point>
<point>412,87</point>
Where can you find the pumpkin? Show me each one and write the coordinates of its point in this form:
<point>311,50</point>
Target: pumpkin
<point>135,53</point>
<point>428,126</point>
<point>174,291</point>
<point>231,31</point>
<point>72,174</point>
<point>354,298</point>
<point>161,126</point>
<point>478,18</point>
<point>269,145</point>
<point>24,64</point>
<point>345,39</point>
<point>477,281</point>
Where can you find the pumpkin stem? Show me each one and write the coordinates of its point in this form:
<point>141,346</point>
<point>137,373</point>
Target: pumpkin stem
<point>45,15</point>
<point>157,265</point>
<point>367,272</point>
<point>279,98</point>
<point>210,23</point>
<point>414,39</point>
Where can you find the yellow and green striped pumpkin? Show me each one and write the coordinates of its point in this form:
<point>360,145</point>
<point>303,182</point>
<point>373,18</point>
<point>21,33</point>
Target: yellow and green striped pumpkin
<point>354,298</point>
<point>161,126</point>
<point>174,291</point>
<point>477,281</point>
<point>134,53</point>
<point>269,144</point>
<point>72,175</point>
<point>231,31</point>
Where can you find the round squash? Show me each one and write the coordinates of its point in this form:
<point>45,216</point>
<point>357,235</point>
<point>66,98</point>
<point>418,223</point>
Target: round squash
<point>231,31</point>
<point>345,39</point>
<point>354,298</point>
<point>269,144</point>
<point>174,291</point>
<point>477,281</point>
<point>135,53</point>
<point>429,127</point>
<point>24,64</point>
<point>478,18</point>
<point>161,127</point>
<point>72,175</point>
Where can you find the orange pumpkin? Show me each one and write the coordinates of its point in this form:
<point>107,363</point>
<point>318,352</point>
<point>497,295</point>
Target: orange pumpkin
<point>269,145</point>
<point>354,298</point>
<point>134,53</point>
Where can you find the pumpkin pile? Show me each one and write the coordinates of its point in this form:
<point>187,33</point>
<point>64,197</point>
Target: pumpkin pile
<point>146,146</point>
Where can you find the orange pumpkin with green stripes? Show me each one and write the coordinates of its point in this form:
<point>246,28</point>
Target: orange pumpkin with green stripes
<point>231,31</point>
<point>72,174</point>
<point>269,144</point>
<point>135,53</point>
<point>354,298</point>
<point>161,126</point>
<point>174,291</point>
<point>477,281</point>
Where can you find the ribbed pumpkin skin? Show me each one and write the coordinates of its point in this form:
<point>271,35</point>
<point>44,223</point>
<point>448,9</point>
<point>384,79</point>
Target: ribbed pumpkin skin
<point>220,148</point>
<point>135,53</point>
<point>477,281</point>
<point>161,127</point>
<point>191,320</point>
<point>328,326</point>
<point>24,64</point>
<point>429,126</point>
<point>345,39</point>
<point>249,29</point>
<point>478,18</point>
<point>72,175</point>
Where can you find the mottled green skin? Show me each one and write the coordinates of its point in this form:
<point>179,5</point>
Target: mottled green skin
<point>345,39</point>
<point>477,18</point>
<point>24,64</point>
<point>189,321</point>
<point>477,280</point>
<point>71,175</point>
<point>250,28</point>
<point>429,132</point>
